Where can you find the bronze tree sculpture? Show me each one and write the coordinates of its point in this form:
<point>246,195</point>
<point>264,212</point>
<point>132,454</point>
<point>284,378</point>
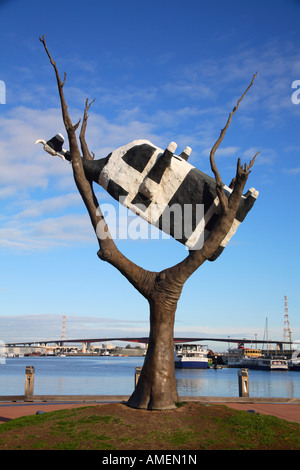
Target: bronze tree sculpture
<point>156,388</point>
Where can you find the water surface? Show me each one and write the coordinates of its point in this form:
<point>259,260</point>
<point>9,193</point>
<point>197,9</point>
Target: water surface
<point>100,375</point>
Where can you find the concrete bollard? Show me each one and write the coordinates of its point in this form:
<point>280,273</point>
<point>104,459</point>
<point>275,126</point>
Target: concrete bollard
<point>29,381</point>
<point>137,375</point>
<point>243,383</point>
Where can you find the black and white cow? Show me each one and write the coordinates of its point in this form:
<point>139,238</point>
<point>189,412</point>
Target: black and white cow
<point>162,188</point>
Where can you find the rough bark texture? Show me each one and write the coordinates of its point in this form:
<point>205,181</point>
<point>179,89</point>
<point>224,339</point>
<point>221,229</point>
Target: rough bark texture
<point>156,388</point>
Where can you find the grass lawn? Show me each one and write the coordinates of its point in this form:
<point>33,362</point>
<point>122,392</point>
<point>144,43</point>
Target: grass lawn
<point>191,426</point>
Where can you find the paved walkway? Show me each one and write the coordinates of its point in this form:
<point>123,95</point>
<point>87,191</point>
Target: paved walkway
<point>287,412</point>
<point>9,411</point>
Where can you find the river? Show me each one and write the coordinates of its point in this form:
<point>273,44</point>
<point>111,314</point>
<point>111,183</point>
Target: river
<point>100,375</point>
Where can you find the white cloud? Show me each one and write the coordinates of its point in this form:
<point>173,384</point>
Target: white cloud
<point>194,90</point>
<point>46,326</point>
<point>22,165</point>
<point>293,171</point>
<point>6,192</point>
<point>223,152</point>
<point>45,233</point>
<point>276,64</point>
<point>34,209</point>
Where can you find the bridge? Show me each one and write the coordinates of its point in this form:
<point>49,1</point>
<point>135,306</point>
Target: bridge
<point>144,340</point>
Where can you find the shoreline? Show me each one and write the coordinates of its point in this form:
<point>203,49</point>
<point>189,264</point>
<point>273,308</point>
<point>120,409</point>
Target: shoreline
<point>288,410</point>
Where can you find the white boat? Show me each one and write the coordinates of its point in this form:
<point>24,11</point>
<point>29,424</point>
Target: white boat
<point>254,359</point>
<point>235,357</point>
<point>190,356</point>
<point>266,363</point>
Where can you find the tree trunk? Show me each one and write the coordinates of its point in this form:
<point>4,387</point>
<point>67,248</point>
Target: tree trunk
<point>156,388</point>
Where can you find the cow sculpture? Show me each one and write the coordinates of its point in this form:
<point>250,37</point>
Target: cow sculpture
<point>162,188</point>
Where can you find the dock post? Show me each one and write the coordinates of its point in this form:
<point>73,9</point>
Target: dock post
<point>243,383</point>
<point>29,381</point>
<point>2,352</point>
<point>137,375</point>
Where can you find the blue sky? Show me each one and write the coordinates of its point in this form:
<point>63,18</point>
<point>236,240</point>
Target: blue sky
<point>167,70</point>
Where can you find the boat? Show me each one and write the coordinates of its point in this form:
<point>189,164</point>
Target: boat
<point>250,358</point>
<point>268,363</point>
<point>190,356</point>
<point>104,353</point>
<point>235,357</point>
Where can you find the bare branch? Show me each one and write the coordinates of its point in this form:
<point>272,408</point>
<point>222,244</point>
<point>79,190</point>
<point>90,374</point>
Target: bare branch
<point>75,127</point>
<point>88,105</point>
<point>220,192</point>
<point>64,80</point>
<point>242,174</point>
<point>247,167</point>
<point>84,147</point>
<point>66,118</point>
